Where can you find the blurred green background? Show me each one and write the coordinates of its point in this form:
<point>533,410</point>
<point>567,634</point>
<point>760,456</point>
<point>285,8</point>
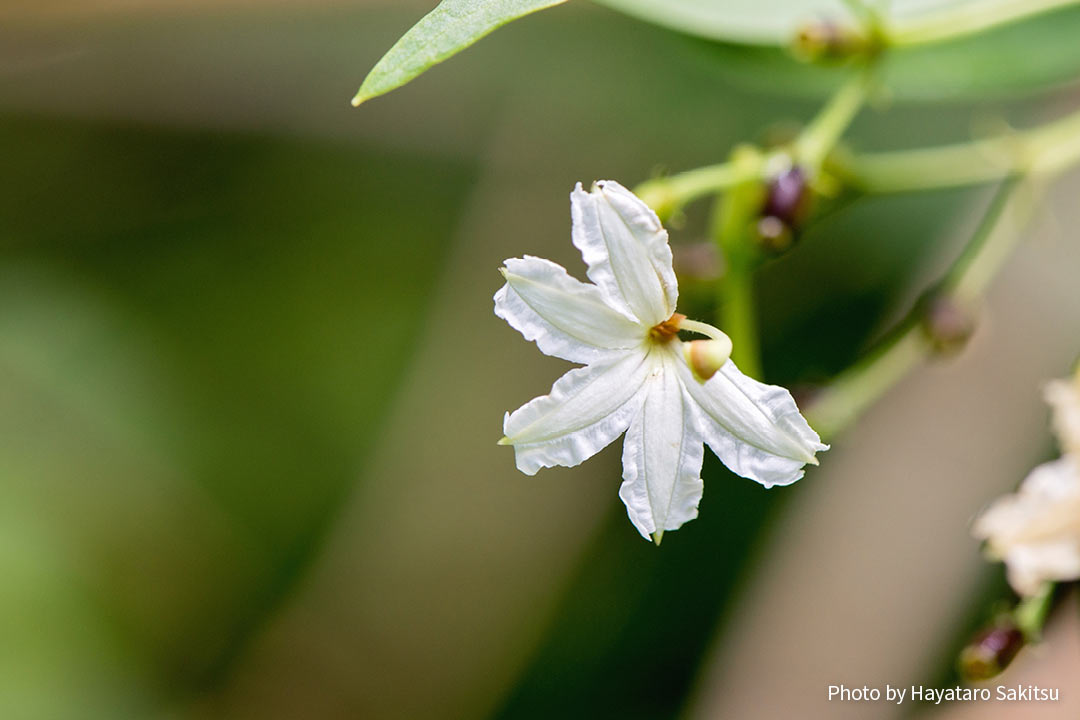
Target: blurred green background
<point>252,381</point>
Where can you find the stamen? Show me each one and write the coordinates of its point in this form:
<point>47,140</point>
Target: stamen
<point>665,331</point>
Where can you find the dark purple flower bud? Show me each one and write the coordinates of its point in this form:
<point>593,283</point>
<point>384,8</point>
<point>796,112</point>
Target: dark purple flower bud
<point>990,652</point>
<point>787,197</point>
<point>948,323</point>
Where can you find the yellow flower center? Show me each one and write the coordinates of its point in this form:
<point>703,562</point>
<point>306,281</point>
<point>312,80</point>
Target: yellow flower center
<point>665,331</point>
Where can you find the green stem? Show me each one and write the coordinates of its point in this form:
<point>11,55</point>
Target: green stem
<point>983,258</point>
<point>736,211</point>
<point>1047,149</point>
<point>667,195</point>
<point>737,314</point>
<point>858,387</point>
<point>923,169</point>
<point>1044,150</point>
<point>731,224</point>
<point>824,131</point>
<point>966,19</point>
<point>1030,614</point>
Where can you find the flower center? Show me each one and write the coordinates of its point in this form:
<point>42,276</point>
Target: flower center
<point>665,331</point>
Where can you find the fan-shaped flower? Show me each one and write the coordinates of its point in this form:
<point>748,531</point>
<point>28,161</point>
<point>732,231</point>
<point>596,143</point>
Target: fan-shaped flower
<point>1064,398</point>
<point>1036,531</point>
<point>670,397</point>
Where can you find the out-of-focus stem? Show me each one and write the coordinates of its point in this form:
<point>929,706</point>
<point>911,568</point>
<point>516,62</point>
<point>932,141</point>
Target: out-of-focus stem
<point>738,316</point>
<point>1030,613</point>
<point>858,387</point>
<point>1044,150</point>
<point>732,220</point>
<point>983,258</point>
<point>824,131</point>
<point>1032,160</point>
<point>668,194</point>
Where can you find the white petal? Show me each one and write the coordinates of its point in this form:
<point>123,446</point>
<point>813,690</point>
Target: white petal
<point>662,456</point>
<point>1064,399</point>
<point>627,251</point>
<point>566,317</point>
<point>1029,566</point>
<point>1053,482</point>
<point>1036,530</point>
<point>755,429</point>
<point>586,410</point>
<point>1047,507</point>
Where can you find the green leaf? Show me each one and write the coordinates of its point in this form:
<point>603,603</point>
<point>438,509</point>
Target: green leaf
<point>775,22</point>
<point>210,435</point>
<point>757,22</point>
<point>995,64</point>
<point>447,30</point>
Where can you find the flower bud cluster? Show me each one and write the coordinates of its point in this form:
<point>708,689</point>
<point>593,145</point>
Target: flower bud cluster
<point>827,41</point>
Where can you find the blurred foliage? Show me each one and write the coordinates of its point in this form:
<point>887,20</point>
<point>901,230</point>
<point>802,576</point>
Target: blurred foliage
<point>196,353</point>
<point>628,640</point>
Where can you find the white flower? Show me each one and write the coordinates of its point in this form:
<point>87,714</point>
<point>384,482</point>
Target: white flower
<point>623,327</point>
<point>1064,399</point>
<point>1036,531</point>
